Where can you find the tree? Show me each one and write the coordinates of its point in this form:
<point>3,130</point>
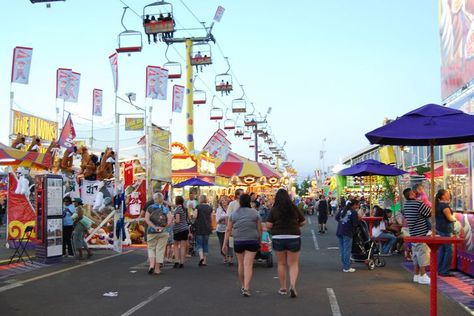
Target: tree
<point>302,188</point>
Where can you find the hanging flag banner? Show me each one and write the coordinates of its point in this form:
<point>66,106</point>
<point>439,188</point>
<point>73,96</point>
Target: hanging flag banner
<point>178,98</point>
<point>97,102</point>
<point>21,64</point>
<point>163,84</point>
<point>73,87</point>
<point>219,13</point>
<point>62,81</point>
<point>68,134</point>
<point>152,82</point>
<point>113,59</point>
<point>218,145</point>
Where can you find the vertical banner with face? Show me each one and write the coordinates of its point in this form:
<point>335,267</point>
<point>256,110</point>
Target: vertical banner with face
<point>152,82</point>
<point>114,66</point>
<point>178,98</point>
<point>68,134</point>
<point>73,87</point>
<point>21,64</point>
<point>163,84</point>
<point>62,81</point>
<point>219,13</point>
<point>97,102</point>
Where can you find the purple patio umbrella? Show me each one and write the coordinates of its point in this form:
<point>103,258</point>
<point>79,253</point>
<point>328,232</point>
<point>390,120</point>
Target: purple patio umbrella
<point>428,125</point>
<point>193,182</point>
<point>371,167</point>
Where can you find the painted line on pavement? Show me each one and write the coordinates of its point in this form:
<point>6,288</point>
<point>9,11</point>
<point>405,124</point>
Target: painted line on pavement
<point>20,283</point>
<point>309,220</point>
<point>148,300</point>
<point>333,248</point>
<point>336,311</point>
<point>315,240</point>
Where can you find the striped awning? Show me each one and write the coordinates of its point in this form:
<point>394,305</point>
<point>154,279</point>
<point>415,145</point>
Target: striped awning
<point>236,165</point>
<point>13,157</point>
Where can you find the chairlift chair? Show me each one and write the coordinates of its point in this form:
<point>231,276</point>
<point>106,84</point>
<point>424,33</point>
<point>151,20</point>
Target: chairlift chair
<point>239,131</point>
<point>163,13</point>
<point>174,69</point>
<point>247,135</point>
<point>239,105</point>
<point>216,114</point>
<point>252,144</point>
<point>201,54</point>
<point>224,83</point>
<point>229,124</point>
<point>129,41</point>
<point>250,120</point>
<point>199,97</point>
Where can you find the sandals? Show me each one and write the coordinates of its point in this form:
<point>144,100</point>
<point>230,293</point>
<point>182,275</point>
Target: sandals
<point>151,270</point>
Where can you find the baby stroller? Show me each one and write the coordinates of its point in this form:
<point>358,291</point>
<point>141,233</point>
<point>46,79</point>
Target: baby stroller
<point>265,252</point>
<point>364,249</point>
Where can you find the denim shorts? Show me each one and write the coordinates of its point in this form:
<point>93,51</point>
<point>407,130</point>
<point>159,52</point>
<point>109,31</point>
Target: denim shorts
<point>286,244</point>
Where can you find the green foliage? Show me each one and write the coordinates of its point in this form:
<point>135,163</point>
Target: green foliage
<point>302,188</point>
<point>420,170</point>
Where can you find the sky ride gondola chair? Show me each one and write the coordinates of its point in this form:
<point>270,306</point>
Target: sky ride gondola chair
<point>201,55</point>
<point>173,67</point>
<point>247,135</point>
<point>216,113</point>
<point>199,97</point>
<point>158,19</point>
<point>224,81</point>
<point>20,247</point>
<point>229,124</point>
<point>129,41</point>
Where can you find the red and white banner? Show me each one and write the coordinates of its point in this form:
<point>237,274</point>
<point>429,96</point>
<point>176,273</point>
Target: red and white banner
<point>152,81</point>
<point>62,81</point>
<point>97,102</point>
<point>73,87</point>
<point>163,84</point>
<point>21,64</point>
<point>178,98</point>
<point>218,145</point>
<point>68,134</point>
<point>113,59</point>
<point>156,83</point>
<point>219,13</point>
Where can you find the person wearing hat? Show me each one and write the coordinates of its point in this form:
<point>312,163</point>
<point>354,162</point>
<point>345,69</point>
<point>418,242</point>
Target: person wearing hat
<point>77,202</point>
<point>68,225</point>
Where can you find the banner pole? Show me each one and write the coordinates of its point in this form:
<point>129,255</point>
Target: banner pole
<point>92,131</point>
<point>12,95</point>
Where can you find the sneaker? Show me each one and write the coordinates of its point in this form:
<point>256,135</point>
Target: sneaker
<point>282,292</point>
<point>246,293</point>
<point>424,279</point>
<point>415,278</point>
<point>388,254</point>
<point>350,270</point>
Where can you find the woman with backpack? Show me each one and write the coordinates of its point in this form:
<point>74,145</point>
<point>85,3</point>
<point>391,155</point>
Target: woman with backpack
<point>158,217</point>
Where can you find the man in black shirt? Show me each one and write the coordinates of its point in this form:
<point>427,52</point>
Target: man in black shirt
<point>323,208</point>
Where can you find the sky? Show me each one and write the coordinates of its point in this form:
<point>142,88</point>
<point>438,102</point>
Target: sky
<point>329,69</point>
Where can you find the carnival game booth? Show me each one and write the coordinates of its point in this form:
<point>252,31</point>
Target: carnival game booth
<point>198,165</point>
<point>248,174</point>
<point>21,203</point>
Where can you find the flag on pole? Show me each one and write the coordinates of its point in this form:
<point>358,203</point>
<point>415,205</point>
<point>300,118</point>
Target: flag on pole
<point>219,13</point>
<point>62,81</point>
<point>152,82</point>
<point>21,64</point>
<point>114,65</point>
<point>218,145</point>
<point>97,102</point>
<point>68,134</point>
<point>163,84</point>
<point>178,98</point>
<point>73,87</point>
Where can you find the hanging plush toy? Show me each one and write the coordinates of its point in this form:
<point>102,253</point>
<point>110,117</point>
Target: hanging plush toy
<point>67,160</point>
<point>23,184</point>
<point>135,204</point>
<point>106,167</point>
<point>19,142</point>
<point>35,144</point>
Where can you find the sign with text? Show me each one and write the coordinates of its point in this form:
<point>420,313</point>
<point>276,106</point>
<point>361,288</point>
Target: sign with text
<point>134,123</point>
<point>29,126</point>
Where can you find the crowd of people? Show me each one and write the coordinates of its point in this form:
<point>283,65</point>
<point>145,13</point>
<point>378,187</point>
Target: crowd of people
<point>241,221</point>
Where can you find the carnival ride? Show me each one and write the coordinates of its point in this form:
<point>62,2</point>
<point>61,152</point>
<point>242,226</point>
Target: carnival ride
<point>129,41</point>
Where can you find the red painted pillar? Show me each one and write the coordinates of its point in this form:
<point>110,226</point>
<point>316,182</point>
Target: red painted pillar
<point>434,279</point>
